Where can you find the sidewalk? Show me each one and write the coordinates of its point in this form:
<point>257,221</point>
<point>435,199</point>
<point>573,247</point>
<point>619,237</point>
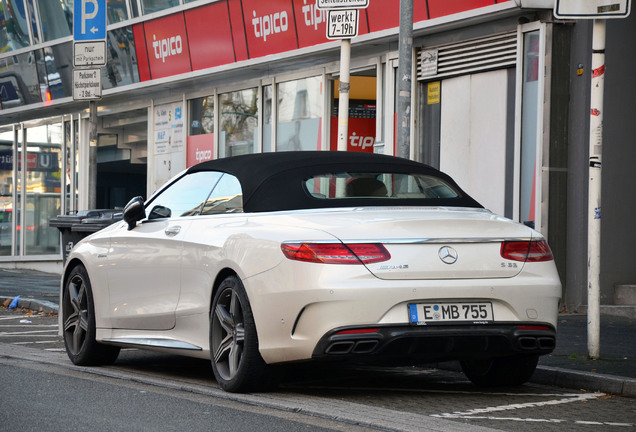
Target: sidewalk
<point>568,366</point>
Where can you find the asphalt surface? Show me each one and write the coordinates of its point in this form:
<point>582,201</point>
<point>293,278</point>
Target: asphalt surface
<point>568,366</point>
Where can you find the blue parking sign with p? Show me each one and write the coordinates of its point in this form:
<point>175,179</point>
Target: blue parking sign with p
<point>89,20</point>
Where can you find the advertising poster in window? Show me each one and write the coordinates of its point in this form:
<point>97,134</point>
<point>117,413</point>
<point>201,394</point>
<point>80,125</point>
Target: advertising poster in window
<point>169,141</point>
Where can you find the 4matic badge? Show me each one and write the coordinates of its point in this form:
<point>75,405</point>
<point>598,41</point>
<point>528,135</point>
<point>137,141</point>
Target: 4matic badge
<point>393,267</point>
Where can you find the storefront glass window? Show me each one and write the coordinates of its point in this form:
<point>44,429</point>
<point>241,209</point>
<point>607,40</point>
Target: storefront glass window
<point>6,191</point>
<point>56,18</point>
<point>201,130</point>
<point>202,116</point>
<point>529,128</point>
<point>300,107</point>
<point>121,68</point>
<point>238,130</point>
<point>14,31</point>
<point>72,165</point>
<point>19,83</point>
<point>150,6</point>
<point>59,71</point>
<point>117,11</point>
<point>43,188</point>
<point>267,119</point>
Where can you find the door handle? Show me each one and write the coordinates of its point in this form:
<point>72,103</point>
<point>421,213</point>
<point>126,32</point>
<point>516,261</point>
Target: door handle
<point>172,231</point>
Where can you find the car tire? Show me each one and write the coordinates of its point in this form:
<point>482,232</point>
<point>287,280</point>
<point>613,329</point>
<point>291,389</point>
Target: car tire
<point>78,320</point>
<point>236,362</point>
<point>502,371</point>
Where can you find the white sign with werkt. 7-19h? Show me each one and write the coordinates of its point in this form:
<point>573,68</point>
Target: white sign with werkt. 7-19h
<point>342,24</point>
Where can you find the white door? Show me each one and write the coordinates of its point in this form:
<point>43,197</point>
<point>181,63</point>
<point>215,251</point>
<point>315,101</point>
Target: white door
<point>473,135</point>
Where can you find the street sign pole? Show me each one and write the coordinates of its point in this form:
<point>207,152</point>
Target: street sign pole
<point>600,11</point>
<point>89,51</point>
<point>343,88</point>
<point>405,65</point>
<point>594,191</point>
<point>92,154</point>
<point>342,23</point>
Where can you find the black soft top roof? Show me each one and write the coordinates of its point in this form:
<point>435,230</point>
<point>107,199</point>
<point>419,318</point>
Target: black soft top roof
<point>274,181</point>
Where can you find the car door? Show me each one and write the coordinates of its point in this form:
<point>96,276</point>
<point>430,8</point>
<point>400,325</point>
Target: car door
<point>144,263</point>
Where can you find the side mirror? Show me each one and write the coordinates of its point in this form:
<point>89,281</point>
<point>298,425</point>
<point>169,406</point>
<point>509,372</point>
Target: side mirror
<point>134,212</point>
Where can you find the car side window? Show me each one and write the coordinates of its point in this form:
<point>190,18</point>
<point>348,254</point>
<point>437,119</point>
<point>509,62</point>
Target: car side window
<point>227,197</point>
<point>185,197</point>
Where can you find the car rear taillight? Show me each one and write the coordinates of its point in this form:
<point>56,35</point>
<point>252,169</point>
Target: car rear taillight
<point>336,253</point>
<point>526,251</point>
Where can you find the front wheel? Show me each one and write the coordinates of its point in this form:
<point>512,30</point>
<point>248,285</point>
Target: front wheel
<point>236,361</point>
<point>503,371</point>
<point>78,319</point>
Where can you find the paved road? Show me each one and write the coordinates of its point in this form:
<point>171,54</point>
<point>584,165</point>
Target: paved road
<point>402,399</point>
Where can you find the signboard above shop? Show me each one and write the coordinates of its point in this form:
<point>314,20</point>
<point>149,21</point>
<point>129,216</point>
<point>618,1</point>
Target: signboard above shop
<point>591,9</point>
<point>222,33</point>
<point>342,4</point>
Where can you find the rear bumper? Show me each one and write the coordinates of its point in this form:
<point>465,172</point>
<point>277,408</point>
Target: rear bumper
<point>406,344</point>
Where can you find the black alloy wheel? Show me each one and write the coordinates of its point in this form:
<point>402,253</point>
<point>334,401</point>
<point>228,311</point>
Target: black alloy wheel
<point>236,361</point>
<point>78,318</point>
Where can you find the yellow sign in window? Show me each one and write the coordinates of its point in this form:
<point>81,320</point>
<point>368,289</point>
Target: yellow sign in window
<point>434,92</point>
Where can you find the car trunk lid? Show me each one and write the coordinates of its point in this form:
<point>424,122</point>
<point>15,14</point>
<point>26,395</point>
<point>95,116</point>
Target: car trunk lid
<point>428,243</point>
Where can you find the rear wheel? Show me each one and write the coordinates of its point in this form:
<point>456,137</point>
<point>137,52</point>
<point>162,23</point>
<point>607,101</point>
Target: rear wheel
<point>78,318</point>
<point>236,361</point>
<point>503,371</point>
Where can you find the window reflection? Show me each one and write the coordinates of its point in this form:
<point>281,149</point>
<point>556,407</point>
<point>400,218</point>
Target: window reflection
<point>59,70</point>
<point>150,6</point>
<point>19,83</point>
<point>56,18</point>
<point>185,197</point>
<point>300,106</point>
<point>116,11</point>
<point>14,32</point>
<point>6,192</point>
<point>121,67</point>
<point>202,116</point>
<point>267,119</point>
<point>238,122</point>
<point>43,188</point>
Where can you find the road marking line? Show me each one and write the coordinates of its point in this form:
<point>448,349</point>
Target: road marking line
<point>26,332</point>
<point>474,413</point>
<point>573,398</point>
<point>32,336</point>
<point>535,420</point>
<point>27,326</point>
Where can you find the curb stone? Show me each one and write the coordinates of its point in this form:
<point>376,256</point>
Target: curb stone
<point>33,304</point>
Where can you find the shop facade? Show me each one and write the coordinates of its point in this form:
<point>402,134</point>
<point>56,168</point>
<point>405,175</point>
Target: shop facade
<point>193,81</point>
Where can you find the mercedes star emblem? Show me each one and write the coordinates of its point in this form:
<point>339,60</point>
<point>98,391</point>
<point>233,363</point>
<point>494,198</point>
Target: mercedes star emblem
<point>448,255</point>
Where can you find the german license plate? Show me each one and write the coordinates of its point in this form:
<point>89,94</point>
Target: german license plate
<point>427,313</point>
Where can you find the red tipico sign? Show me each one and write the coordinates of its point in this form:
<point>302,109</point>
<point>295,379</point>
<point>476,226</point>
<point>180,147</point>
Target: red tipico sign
<point>167,45</point>
<point>269,27</point>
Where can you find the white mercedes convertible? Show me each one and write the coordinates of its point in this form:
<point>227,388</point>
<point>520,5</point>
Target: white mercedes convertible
<point>261,260</point>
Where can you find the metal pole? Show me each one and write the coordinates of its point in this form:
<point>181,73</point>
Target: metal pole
<point>594,191</point>
<point>343,101</point>
<point>92,154</point>
<point>404,79</point>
